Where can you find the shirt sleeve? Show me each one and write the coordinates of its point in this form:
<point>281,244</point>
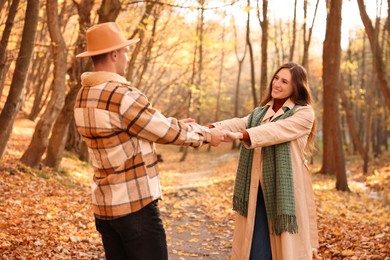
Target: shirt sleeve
<point>141,120</point>
<point>234,125</point>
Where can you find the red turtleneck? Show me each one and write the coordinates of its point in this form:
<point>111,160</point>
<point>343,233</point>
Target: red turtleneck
<point>278,103</point>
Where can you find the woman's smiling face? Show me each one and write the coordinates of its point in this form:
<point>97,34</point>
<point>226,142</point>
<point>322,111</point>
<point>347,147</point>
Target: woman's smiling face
<point>281,85</point>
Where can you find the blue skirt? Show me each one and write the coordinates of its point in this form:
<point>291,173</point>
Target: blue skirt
<point>261,246</point>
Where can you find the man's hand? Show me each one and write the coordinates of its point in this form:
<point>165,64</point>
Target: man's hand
<point>187,120</point>
<point>217,136</point>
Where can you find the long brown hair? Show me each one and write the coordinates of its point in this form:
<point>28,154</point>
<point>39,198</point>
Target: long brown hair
<point>301,94</point>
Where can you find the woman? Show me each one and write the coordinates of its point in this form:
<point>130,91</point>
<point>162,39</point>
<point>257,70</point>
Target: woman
<point>273,196</point>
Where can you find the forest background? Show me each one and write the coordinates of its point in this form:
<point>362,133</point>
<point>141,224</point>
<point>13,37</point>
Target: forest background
<point>209,60</point>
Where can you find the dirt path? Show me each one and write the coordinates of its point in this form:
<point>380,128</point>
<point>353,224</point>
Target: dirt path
<point>197,224</point>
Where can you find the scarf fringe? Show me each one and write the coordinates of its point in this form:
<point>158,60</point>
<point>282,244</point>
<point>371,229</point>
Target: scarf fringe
<point>240,206</point>
<point>284,223</point>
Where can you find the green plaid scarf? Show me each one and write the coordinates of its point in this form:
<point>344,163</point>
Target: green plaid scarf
<point>277,178</point>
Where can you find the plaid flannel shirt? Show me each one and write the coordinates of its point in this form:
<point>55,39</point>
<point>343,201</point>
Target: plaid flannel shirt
<point>120,128</point>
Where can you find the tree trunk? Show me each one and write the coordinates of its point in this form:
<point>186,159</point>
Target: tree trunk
<point>387,25</point>
<point>40,82</point>
<point>2,82</point>
<point>196,77</point>
<point>198,103</point>
<point>40,140</point>
<point>220,75</point>
<point>109,11</point>
<point>56,147</point>
<point>378,135</point>
<point>264,47</point>
<point>350,119</point>
<point>240,63</point>
<point>366,158</point>
<point>12,105</point>
<point>5,39</point>
<point>277,53</point>
<point>41,68</point>
<point>140,32</point>
<point>2,3</point>
<point>41,60</point>
<point>146,58</point>
<point>75,143</point>
<point>61,129</point>
<point>34,72</point>
<point>369,99</point>
<point>376,52</point>
<point>251,57</point>
<point>306,41</point>
<point>333,157</point>
<point>294,32</point>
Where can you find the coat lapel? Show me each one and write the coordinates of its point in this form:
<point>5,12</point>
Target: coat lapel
<point>272,114</point>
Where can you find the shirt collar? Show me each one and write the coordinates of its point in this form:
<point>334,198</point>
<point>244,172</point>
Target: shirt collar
<point>99,77</point>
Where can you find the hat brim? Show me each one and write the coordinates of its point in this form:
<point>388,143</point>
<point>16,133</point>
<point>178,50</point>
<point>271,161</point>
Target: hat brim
<point>113,48</point>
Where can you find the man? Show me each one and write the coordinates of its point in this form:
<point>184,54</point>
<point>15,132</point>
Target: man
<point>121,128</point>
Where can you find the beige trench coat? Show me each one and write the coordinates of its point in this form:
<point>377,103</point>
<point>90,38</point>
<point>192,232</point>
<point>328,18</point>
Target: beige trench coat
<point>295,129</point>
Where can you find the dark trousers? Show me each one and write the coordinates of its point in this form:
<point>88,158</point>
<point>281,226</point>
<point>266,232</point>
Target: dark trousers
<point>139,235</point>
<point>261,246</point>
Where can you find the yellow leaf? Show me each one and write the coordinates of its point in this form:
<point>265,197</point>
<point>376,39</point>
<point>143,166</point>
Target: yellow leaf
<point>347,252</point>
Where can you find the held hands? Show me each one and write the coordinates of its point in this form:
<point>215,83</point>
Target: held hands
<point>219,135</point>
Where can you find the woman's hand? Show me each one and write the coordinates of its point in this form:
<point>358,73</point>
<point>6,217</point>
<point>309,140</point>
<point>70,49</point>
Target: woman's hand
<point>231,136</point>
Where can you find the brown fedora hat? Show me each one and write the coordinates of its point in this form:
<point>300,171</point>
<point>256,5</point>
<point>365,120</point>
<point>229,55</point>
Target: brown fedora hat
<point>103,38</point>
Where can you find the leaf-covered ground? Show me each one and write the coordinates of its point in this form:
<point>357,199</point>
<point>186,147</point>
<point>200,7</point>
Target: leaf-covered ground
<point>46,214</point>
